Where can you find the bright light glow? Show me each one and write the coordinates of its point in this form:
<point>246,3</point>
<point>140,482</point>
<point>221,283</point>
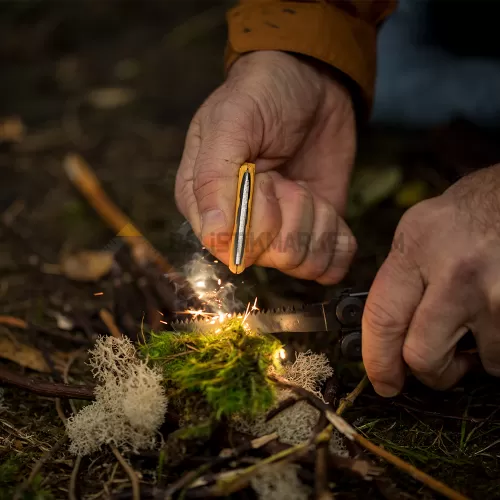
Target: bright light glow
<point>282,353</point>
<point>200,284</point>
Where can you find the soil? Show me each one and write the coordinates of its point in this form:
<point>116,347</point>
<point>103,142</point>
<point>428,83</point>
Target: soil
<point>158,62</point>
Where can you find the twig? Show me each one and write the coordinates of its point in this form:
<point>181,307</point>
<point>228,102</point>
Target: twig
<point>130,472</point>
<point>188,479</point>
<point>38,467</point>
<point>348,401</point>
<point>72,482</point>
<point>109,321</point>
<point>42,388</point>
<point>13,321</point>
<point>241,478</point>
<point>350,433</point>
<point>284,405</point>
<point>82,176</point>
<point>324,433</point>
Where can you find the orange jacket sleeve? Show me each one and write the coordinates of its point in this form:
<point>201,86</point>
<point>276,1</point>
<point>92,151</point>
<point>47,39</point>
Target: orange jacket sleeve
<point>341,33</point>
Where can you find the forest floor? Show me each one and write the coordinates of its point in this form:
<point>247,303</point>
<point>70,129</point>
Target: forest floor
<point>117,82</point>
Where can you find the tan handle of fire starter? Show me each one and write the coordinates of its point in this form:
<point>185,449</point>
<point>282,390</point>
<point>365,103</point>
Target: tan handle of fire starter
<point>242,216</point>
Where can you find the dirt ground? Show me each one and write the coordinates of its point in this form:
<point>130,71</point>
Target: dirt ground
<point>118,82</point>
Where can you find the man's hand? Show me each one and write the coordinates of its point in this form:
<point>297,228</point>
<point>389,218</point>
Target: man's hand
<point>441,278</point>
<point>297,125</point>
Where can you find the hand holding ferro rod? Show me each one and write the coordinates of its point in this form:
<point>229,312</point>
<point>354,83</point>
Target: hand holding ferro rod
<point>243,212</point>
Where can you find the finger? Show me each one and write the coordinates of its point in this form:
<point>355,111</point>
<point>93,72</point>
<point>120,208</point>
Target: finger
<point>184,195</point>
<point>229,135</point>
<point>394,295</point>
<point>342,254</point>
<point>316,247</point>
<point>281,224</point>
<point>430,345</point>
<point>487,335</point>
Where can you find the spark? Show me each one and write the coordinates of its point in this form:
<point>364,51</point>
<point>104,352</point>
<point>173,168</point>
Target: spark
<point>216,261</point>
<point>164,322</point>
<point>282,353</point>
<point>98,293</point>
<point>159,312</point>
<point>219,281</point>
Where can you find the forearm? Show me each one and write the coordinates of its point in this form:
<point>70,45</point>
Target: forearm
<point>340,33</point>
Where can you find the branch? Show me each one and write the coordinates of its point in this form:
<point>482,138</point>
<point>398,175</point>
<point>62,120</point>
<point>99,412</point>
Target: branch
<point>82,176</point>
<point>350,433</point>
<point>42,388</point>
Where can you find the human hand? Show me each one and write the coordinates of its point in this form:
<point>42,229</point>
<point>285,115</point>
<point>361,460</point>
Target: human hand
<point>297,125</point>
<point>440,280</point>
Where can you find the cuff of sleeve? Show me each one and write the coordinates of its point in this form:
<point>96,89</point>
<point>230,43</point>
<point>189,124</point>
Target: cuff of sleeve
<point>317,30</point>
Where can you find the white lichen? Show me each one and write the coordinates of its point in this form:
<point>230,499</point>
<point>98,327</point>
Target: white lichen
<point>280,482</point>
<point>296,424</point>
<point>309,371</point>
<point>130,402</point>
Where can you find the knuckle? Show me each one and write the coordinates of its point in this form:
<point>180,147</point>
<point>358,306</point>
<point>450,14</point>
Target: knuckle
<point>380,321</point>
<point>462,269</point>
<point>420,361</point>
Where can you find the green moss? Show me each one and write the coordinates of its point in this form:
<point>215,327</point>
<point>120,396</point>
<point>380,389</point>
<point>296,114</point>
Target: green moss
<point>228,366</point>
<point>10,469</point>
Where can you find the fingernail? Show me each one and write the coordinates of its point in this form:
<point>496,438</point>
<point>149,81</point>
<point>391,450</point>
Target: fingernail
<point>386,390</point>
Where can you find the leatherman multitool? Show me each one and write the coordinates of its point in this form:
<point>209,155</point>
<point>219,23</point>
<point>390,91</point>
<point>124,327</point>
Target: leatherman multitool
<point>340,316</point>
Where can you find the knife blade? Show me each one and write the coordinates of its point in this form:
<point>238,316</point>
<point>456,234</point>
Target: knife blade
<point>341,317</point>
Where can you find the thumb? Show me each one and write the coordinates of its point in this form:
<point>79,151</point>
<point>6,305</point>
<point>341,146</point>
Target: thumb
<point>230,136</point>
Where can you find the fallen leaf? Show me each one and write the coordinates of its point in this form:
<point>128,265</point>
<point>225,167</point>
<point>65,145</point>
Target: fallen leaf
<point>22,354</point>
<point>87,265</point>
<point>30,357</point>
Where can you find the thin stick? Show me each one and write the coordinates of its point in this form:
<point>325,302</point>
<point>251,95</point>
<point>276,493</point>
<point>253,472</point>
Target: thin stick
<point>82,176</point>
<point>109,321</point>
<point>130,472</point>
<point>348,431</point>
<point>74,477</point>
<point>321,468</point>
<point>42,388</point>
<point>348,401</point>
<point>38,467</point>
<point>429,481</point>
<point>13,321</point>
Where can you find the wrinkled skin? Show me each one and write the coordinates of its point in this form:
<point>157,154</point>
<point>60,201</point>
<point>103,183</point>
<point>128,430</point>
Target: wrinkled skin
<point>442,279</point>
<point>297,124</point>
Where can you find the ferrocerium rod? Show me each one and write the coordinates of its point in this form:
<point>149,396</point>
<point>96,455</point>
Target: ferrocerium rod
<point>243,212</point>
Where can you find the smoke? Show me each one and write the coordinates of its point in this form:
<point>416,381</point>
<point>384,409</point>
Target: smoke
<point>208,285</point>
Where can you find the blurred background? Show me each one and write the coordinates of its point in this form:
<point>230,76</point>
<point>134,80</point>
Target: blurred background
<point>118,82</point>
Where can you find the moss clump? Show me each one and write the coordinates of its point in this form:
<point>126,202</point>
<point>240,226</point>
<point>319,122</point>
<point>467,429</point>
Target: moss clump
<point>228,366</point>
